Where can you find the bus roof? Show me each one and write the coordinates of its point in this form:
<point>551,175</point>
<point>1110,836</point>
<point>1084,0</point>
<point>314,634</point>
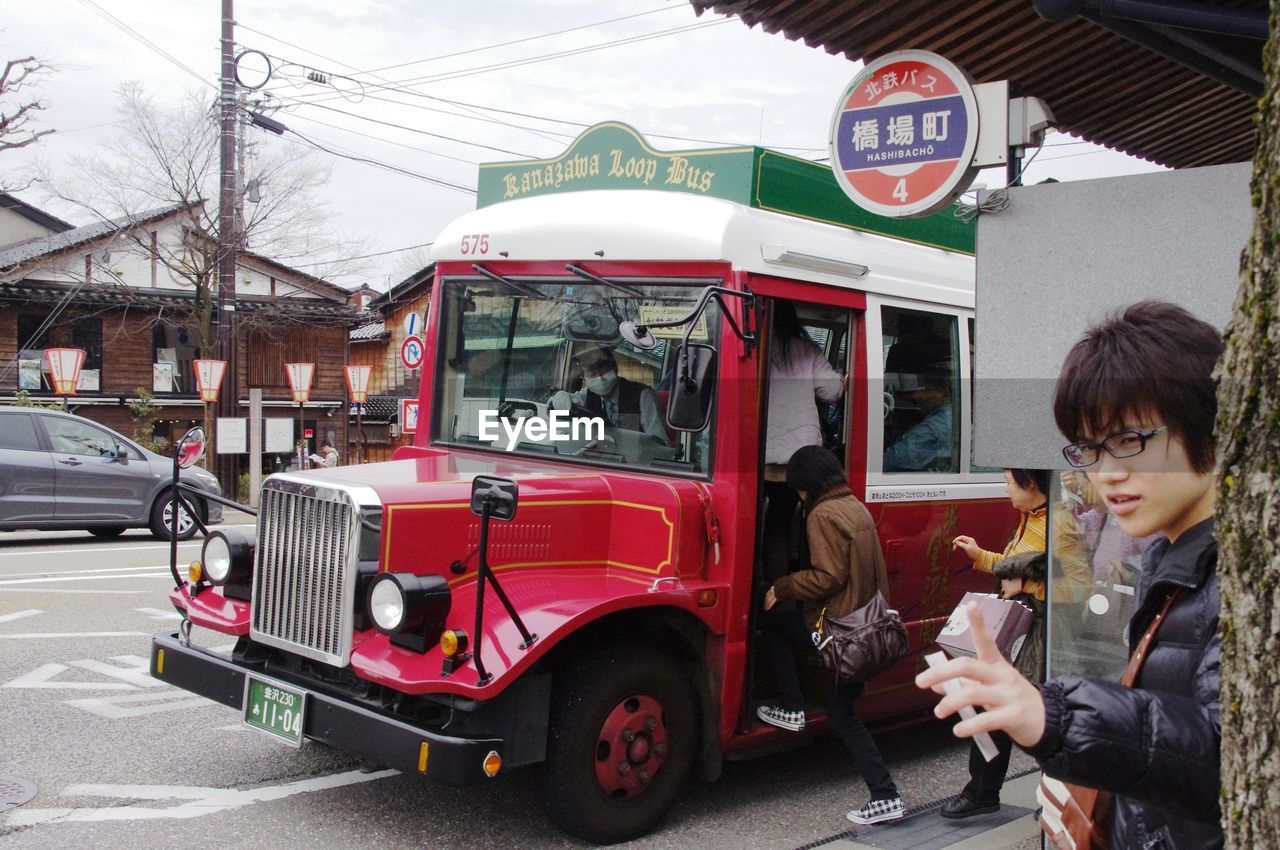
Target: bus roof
<point>652,225</point>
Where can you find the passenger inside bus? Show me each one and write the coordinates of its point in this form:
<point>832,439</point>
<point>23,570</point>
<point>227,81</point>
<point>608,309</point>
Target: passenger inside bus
<point>921,432</point>
<point>800,378</point>
<point>621,403</point>
<point>929,446</point>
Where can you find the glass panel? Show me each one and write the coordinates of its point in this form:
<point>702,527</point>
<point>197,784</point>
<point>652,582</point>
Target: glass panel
<point>515,356</point>
<point>173,350</point>
<point>34,336</point>
<point>18,432</point>
<point>922,377</point>
<point>1093,570</point>
<point>68,436</point>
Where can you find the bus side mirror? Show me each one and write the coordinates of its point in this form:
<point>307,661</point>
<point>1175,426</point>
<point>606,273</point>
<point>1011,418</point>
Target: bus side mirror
<point>498,495</point>
<point>689,403</point>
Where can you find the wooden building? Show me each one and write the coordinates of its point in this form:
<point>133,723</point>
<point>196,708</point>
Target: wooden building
<point>377,344</point>
<point>110,288</point>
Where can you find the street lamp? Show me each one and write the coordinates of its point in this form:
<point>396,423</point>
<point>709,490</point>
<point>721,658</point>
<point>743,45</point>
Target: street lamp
<point>358,386</point>
<point>300,375</point>
<point>209,382</point>
<point>64,370</point>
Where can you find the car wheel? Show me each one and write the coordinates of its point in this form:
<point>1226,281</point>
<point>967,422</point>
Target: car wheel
<point>162,517</point>
<point>621,743</point>
<point>111,531</point>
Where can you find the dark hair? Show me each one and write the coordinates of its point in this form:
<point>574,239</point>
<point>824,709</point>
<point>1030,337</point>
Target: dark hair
<point>815,470</point>
<point>787,327</point>
<point>1154,358</point>
<point>1024,478</point>
<point>326,443</point>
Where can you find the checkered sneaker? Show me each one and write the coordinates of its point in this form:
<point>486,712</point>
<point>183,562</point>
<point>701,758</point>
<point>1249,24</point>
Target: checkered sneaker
<point>792,721</point>
<point>877,811</point>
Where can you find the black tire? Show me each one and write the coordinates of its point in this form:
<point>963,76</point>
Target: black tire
<point>107,531</point>
<point>160,510</point>
<point>610,693</point>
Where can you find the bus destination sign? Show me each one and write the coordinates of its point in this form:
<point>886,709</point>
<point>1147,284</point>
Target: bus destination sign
<point>904,133</point>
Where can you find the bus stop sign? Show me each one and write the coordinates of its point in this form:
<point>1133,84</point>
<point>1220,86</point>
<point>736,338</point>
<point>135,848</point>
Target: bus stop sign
<point>904,133</point>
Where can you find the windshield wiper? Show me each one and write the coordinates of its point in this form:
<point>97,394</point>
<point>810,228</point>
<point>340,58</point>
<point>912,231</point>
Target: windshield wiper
<point>621,287</point>
<point>523,288</point>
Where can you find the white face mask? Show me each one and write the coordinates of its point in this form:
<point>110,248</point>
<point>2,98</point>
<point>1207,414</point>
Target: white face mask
<point>602,384</point>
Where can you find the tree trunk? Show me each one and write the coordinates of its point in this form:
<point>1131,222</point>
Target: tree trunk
<point>1249,506</point>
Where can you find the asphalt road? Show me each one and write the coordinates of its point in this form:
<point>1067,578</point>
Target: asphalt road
<point>120,760</point>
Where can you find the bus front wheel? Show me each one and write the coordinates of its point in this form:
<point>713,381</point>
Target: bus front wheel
<point>622,740</point>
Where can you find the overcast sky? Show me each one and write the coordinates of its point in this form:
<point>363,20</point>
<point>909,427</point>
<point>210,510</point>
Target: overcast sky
<point>707,79</point>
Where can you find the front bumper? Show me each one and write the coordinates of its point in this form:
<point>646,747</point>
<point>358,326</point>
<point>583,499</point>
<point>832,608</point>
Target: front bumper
<point>331,720</point>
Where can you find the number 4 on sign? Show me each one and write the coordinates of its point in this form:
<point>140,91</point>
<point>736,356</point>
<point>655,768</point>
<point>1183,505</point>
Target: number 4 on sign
<point>900,190</point>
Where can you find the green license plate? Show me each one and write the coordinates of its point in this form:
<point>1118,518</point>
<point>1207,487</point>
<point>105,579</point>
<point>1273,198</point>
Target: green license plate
<point>275,709</point>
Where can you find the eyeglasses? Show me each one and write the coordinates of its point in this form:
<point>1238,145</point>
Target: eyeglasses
<point>1121,445</point>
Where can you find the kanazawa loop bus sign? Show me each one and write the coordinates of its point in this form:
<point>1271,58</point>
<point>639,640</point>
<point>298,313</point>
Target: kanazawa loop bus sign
<point>904,133</point>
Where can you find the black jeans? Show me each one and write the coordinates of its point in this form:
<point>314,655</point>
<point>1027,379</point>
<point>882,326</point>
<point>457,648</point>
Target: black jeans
<point>784,632</point>
<point>986,778</point>
<point>778,516</point>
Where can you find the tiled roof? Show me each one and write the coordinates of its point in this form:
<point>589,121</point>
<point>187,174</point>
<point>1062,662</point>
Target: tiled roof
<point>370,331</point>
<point>30,249</point>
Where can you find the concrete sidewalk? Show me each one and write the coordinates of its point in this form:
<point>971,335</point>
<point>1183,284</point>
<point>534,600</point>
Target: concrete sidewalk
<point>1014,827</point>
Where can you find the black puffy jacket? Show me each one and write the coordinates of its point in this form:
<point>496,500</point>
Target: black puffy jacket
<point>1155,746</point>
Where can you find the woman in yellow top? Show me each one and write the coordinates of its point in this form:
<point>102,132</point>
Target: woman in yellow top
<point>1027,489</point>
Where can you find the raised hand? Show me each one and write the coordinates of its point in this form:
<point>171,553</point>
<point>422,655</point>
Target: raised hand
<point>1013,705</point>
<point>968,544</point>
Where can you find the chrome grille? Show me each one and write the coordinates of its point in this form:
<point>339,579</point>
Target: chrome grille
<point>304,578</point>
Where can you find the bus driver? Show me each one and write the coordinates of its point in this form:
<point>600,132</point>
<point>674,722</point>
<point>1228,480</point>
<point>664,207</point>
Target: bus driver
<point>621,403</point>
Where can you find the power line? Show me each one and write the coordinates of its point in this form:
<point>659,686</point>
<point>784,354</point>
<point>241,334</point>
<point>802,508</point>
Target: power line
<point>546,57</point>
<point>457,187</point>
<point>296,116</point>
<point>373,71</point>
<point>362,256</point>
<point>399,87</point>
<point>414,129</point>
<point>134,34</point>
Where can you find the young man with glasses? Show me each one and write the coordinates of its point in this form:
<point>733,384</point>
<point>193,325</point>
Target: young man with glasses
<point>1137,400</point>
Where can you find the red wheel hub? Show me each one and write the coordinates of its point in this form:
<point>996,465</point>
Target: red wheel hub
<point>631,747</point>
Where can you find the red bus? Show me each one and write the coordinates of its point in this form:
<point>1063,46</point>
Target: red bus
<point>505,594</point>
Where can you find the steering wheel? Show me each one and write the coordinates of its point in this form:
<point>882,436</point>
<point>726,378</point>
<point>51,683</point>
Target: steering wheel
<point>508,409</point>
<point>889,404</point>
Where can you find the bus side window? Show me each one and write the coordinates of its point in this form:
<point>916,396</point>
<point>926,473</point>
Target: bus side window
<point>922,387</point>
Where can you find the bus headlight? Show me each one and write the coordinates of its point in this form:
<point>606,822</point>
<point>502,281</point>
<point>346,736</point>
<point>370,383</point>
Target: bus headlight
<point>408,608</point>
<point>227,556</point>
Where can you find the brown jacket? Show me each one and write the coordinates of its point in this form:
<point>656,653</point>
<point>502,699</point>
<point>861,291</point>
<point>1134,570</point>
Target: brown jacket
<point>847,562</point>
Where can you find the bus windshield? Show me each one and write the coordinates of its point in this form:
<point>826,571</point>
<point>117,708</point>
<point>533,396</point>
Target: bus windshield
<point>532,366</point>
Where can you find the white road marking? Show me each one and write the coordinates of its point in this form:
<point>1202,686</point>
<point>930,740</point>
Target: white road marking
<point>165,574</point>
<point>133,670</point>
<point>43,676</point>
<point>203,801</point>
<point>62,590</point>
<point>104,570</point>
<point>137,705</point>
<point>18,615</point>
<point>159,613</point>
<point>77,550</point>
<point>45,635</point>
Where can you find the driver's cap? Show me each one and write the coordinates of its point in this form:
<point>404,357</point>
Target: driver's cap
<point>593,355</point>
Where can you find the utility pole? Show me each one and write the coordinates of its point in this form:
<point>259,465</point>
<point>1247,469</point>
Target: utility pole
<point>224,317</point>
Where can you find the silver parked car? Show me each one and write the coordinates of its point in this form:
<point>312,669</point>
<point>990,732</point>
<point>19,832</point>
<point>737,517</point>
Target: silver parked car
<point>60,471</point>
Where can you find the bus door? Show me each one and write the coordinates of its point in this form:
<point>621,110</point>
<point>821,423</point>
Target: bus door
<point>831,323</point>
